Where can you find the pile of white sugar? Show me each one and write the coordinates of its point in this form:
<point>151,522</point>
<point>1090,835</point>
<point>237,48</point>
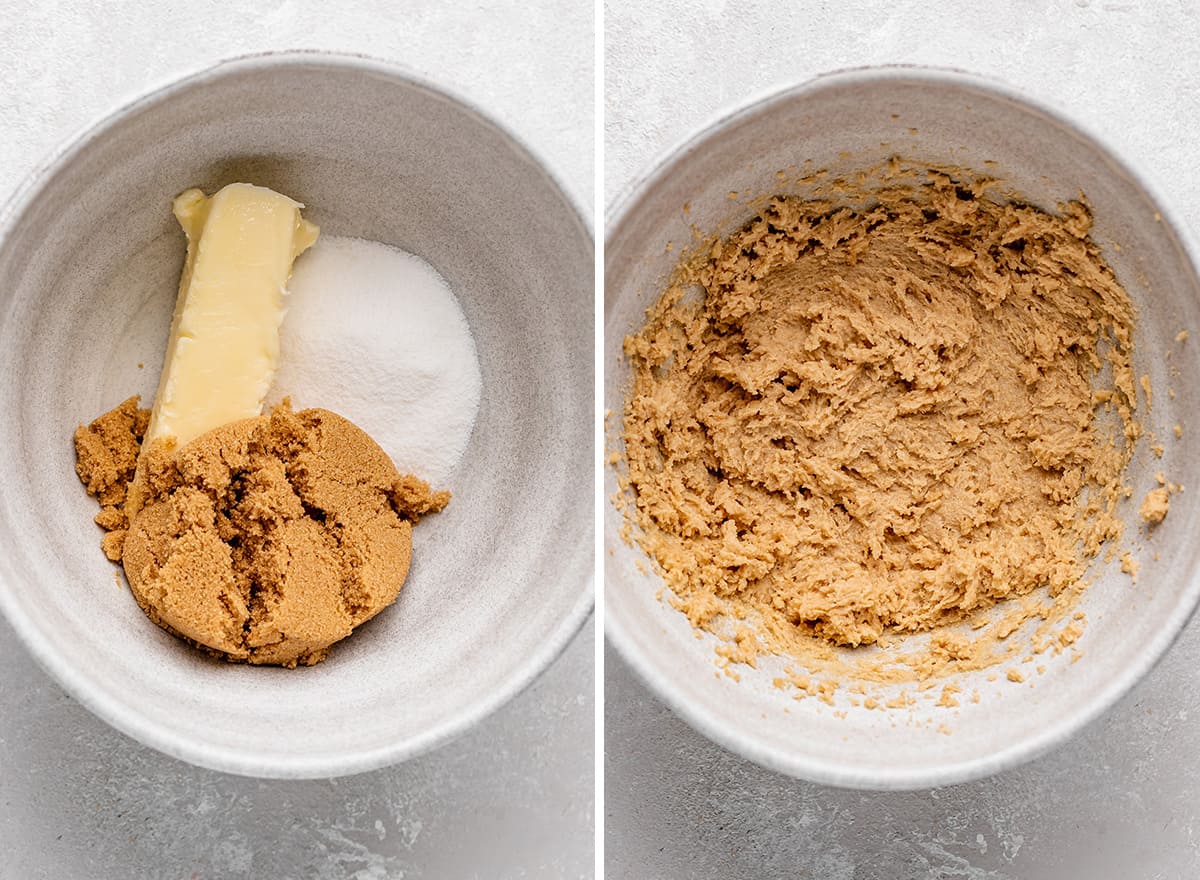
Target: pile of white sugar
<point>376,335</point>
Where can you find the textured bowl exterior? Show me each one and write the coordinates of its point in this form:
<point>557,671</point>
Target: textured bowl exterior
<point>89,263</point>
<point>851,120</point>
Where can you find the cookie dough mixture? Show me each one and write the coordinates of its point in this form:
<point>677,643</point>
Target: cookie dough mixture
<point>265,540</point>
<point>850,421</point>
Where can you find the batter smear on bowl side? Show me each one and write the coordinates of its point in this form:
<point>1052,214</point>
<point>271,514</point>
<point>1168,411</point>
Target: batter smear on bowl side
<point>885,417</point>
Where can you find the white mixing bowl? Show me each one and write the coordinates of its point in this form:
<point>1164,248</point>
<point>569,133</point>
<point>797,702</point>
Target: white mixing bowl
<point>89,263</point>
<point>853,120</point>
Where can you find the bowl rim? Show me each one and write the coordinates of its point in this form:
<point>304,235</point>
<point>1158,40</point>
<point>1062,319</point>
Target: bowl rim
<point>192,746</point>
<point>846,774</point>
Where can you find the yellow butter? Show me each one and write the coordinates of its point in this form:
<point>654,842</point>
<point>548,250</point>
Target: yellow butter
<point>224,342</point>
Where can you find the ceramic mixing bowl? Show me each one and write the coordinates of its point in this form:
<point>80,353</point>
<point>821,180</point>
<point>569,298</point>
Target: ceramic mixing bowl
<point>845,122</point>
<point>89,263</point>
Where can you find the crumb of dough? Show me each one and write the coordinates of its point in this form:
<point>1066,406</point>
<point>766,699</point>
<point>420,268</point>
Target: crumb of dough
<point>1014,675</point>
<point>1070,634</point>
<point>1158,449</point>
<point>266,540</point>
<point>1181,336</point>
<point>1129,565</point>
<point>947,699</point>
<point>1154,506</point>
<point>1148,391</point>
<point>1178,429</point>
<point>882,418</point>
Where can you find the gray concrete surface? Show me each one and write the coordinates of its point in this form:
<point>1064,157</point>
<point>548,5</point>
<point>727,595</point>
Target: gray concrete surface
<point>513,798</point>
<point>1119,801</point>
<point>510,799</point>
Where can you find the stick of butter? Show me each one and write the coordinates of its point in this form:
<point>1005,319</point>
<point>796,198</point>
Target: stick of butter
<point>224,342</point>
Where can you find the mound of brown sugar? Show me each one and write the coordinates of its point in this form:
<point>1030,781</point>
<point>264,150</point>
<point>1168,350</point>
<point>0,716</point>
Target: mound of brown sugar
<point>854,420</point>
<point>265,540</point>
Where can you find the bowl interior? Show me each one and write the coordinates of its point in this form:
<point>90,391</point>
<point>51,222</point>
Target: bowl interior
<point>88,272</point>
<point>850,122</point>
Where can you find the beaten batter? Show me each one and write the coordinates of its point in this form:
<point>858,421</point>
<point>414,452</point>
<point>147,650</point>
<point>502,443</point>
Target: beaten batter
<point>883,418</point>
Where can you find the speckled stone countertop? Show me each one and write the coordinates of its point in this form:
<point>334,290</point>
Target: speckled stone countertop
<point>512,798</point>
<point>1119,801</point>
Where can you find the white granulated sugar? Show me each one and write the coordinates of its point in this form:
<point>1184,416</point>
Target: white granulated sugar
<point>376,335</point>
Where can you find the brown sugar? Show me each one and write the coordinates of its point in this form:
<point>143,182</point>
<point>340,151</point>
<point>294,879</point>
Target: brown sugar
<point>106,453</point>
<point>848,421</point>
<point>266,540</point>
